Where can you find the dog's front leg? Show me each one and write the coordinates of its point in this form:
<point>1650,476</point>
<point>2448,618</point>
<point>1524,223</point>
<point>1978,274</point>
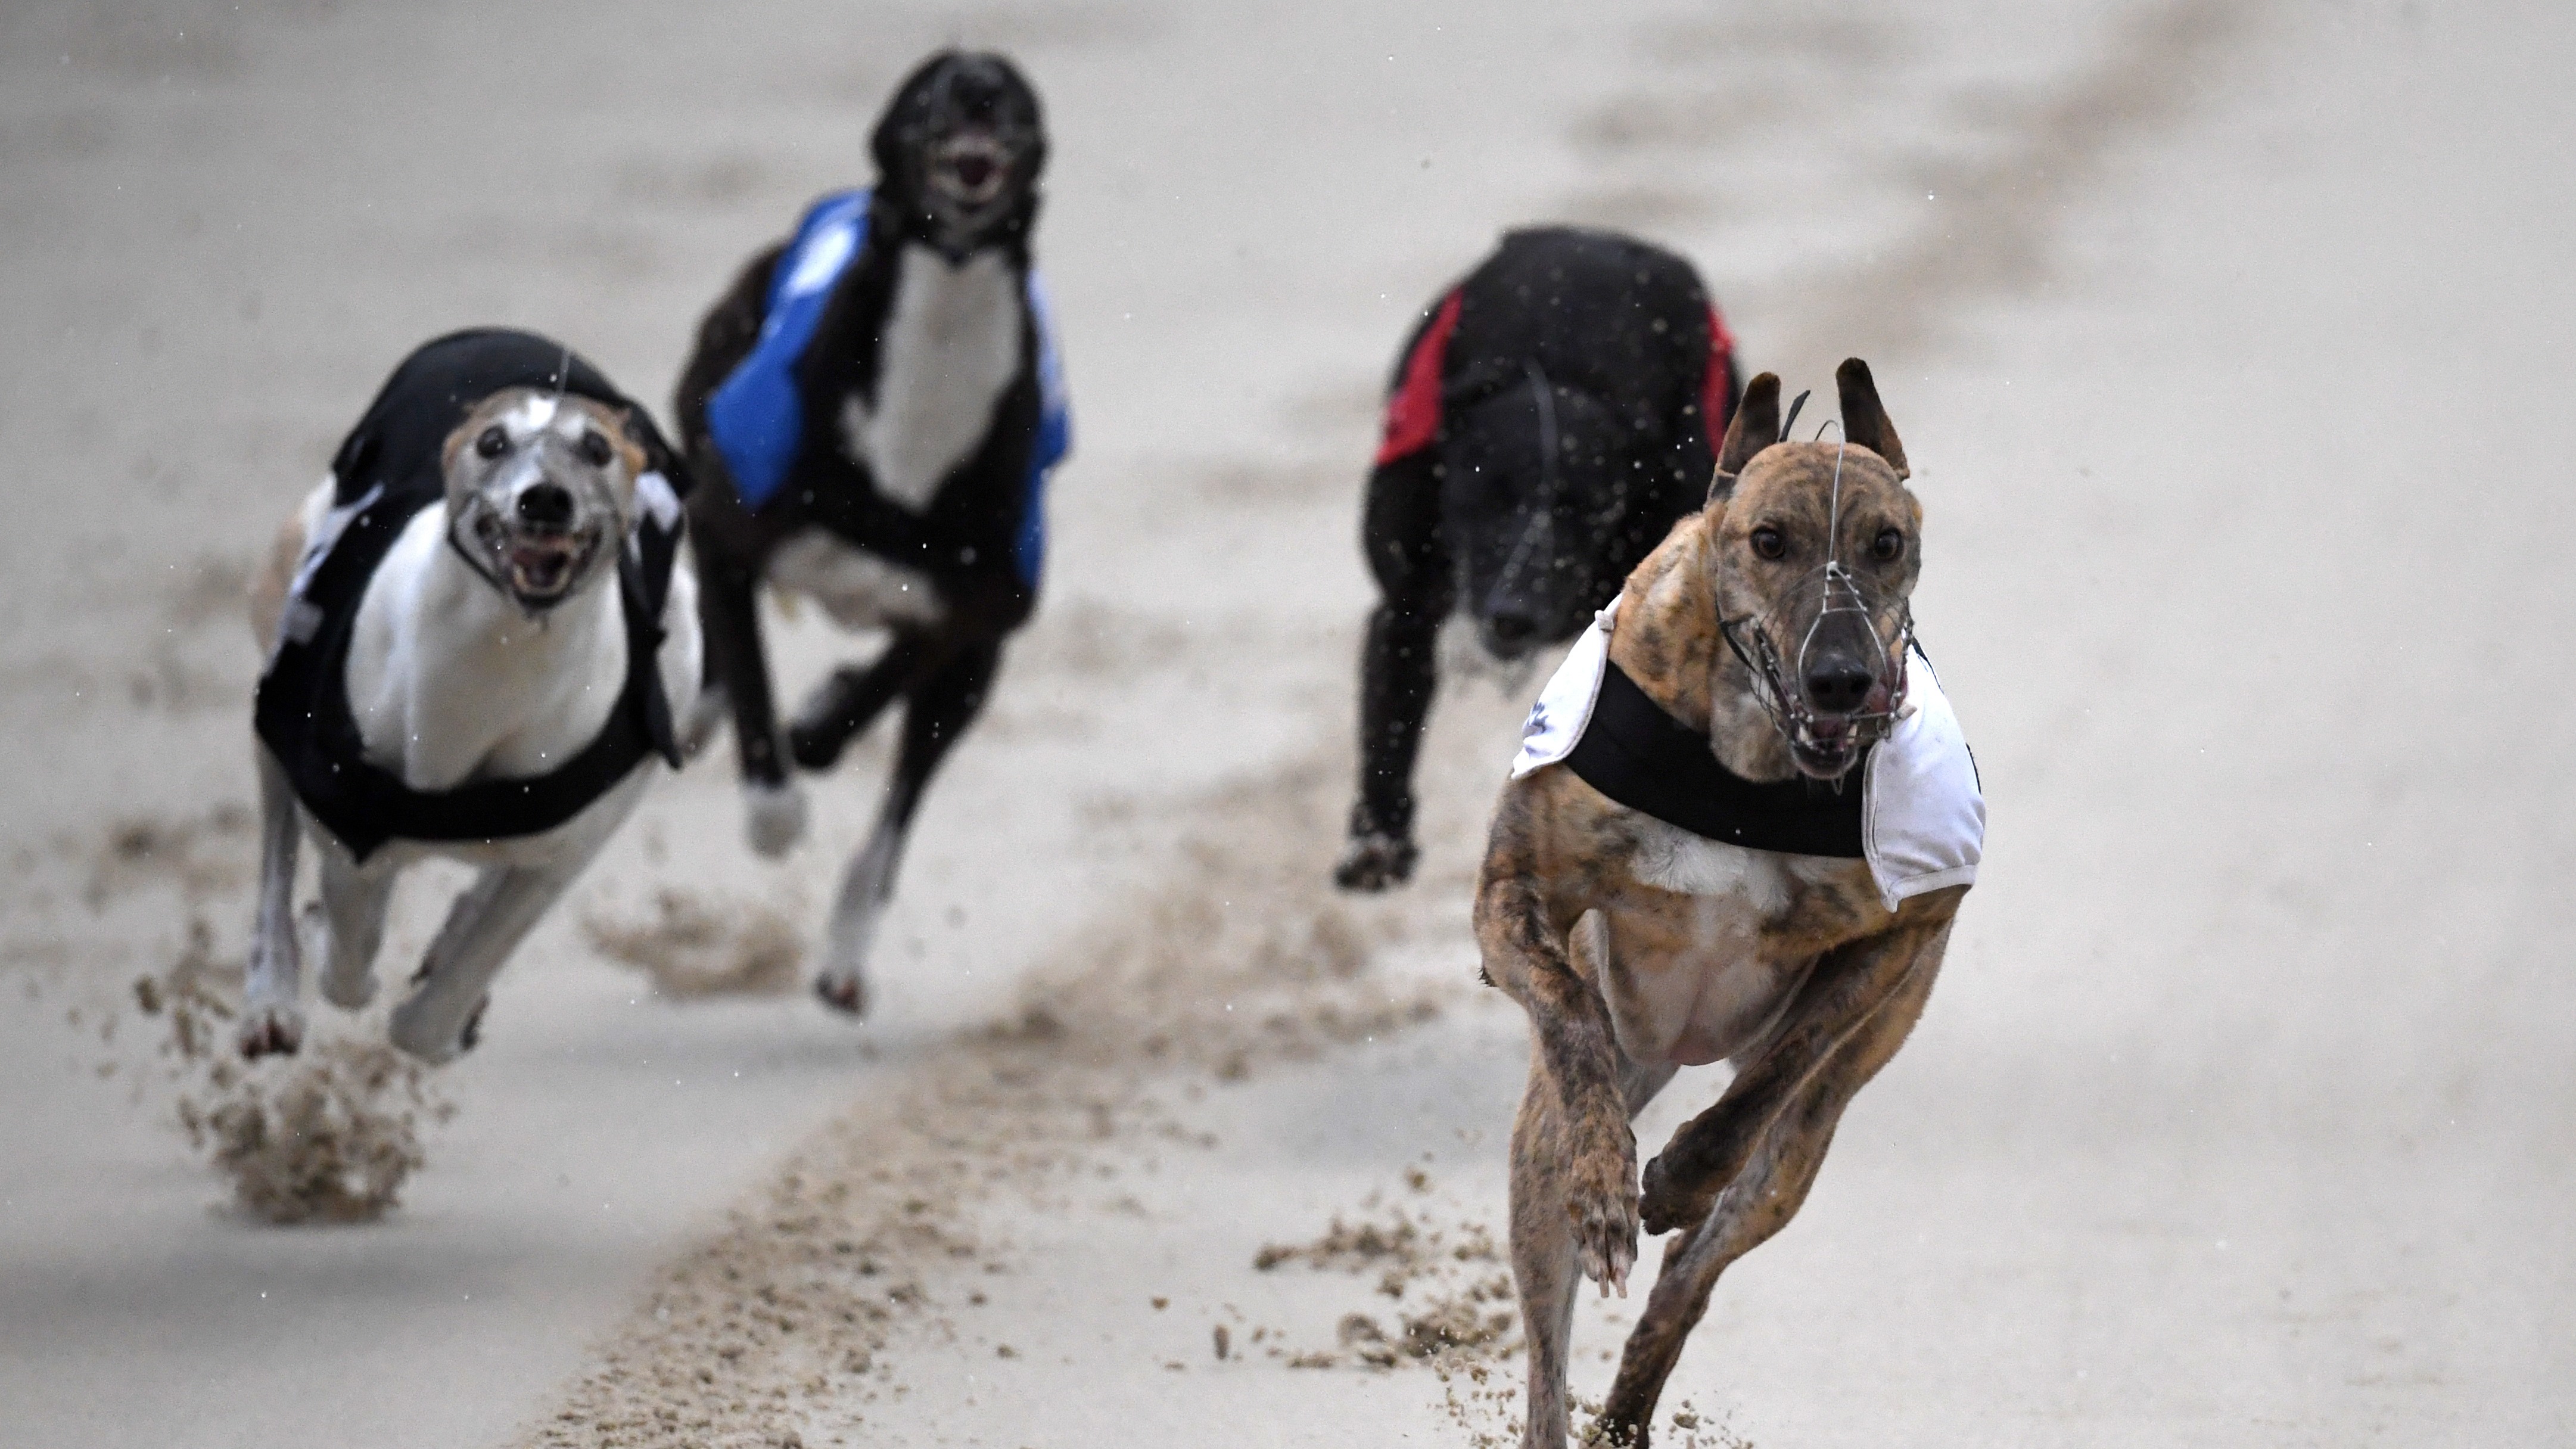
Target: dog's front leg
<point>1524,940</point>
<point>1845,988</point>
<point>444,1013</point>
<point>1545,1265</point>
<point>1763,1196</point>
<point>1399,668</point>
<point>272,1021</point>
<point>352,911</point>
<point>729,616</point>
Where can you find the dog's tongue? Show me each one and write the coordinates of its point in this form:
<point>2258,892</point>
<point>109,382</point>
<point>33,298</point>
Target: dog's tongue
<point>542,565</point>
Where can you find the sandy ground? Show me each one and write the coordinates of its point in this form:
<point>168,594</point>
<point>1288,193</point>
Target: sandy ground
<point>2225,340</point>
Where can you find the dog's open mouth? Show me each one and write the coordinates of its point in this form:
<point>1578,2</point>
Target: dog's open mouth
<point>1823,746</point>
<point>1866,685</point>
<point>542,567</point>
<point>970,168</point>
<point>537,567</point>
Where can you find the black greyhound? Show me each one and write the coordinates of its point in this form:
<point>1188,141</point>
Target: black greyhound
<point>1549,419</point>
<point>876,403</point>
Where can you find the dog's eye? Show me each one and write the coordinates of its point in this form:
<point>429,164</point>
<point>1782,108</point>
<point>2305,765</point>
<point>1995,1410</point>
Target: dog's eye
<point>493,442</point>
<point>1768,543</point>
<point>594,449</point>
<point>1888,547</point>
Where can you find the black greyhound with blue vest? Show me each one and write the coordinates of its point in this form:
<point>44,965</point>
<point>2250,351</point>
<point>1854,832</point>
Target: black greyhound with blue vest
<point>876,404</point>
<point>1550,417</point>
<point>480,634</point>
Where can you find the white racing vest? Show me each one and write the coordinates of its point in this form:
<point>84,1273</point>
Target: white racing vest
<point>1922,815</point>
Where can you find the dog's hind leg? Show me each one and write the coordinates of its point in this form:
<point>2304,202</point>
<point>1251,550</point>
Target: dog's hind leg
<point>940,709</point>
<point>848,701</point>
<point>1758,1201</point>
<point>729,617</point>
<point>271,1019</point>
<point>352,912</point>
<point>438,1021</point>
<point>1545,1266</point>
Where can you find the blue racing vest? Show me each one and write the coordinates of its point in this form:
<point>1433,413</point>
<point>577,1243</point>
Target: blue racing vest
<point>757,416</point>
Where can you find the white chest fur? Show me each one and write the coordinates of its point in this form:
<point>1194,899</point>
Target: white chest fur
<point>449,682</point>
<point>949,347</point>
<point>1670,858</point>
<point>860,590</point>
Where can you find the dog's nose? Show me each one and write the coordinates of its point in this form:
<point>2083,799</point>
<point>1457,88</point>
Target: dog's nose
<point>545,505</point>
<point>1839,685</point>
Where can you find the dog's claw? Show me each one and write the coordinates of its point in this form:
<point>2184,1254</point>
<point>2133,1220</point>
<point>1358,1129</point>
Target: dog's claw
<point>275,1029</point>
<point>1375,860</point>
<point>1602,1198</point>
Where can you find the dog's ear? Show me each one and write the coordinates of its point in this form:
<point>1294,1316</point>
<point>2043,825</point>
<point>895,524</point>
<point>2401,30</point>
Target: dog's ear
<point>902,113</point>
<point>1756,426</point>
<point>1864,420</point>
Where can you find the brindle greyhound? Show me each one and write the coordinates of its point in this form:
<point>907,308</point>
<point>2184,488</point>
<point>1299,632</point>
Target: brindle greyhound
<point>1638,947</point>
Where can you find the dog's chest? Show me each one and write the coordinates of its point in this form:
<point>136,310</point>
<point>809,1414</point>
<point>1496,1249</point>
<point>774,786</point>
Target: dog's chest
<point>1686,965</point>
<point>859,589</point>
<point>947,350</point>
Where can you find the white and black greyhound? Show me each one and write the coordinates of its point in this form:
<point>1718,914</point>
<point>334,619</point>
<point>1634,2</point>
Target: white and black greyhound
<point>875,406</point>
<point>480,634</point>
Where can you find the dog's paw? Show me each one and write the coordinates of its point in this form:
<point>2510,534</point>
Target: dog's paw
<point>351,991</point>
<point>1601,1197</point>
<point>773,816</point>
<point>843,990</point>
<point>1375,860</point>
<point>418,1028</point>
<point>270,1028</point>
<point>1668,1204</point>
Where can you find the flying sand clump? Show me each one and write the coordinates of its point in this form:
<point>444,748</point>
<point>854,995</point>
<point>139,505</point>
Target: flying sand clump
<point>693,947</point>
<point>327,1136</point>
<point>1465,1313</point>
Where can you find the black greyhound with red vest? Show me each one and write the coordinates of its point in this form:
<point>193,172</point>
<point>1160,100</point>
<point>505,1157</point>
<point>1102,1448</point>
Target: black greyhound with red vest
<point>1550,418</point>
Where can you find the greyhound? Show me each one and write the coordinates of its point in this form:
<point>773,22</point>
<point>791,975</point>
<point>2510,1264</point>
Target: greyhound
<point>1549,418</point>
<point>479,632</point>
<point>1741,822</point>
<point>878,403</point>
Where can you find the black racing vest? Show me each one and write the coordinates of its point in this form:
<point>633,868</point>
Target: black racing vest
<point>1637,754</point>
<point>390,468</point>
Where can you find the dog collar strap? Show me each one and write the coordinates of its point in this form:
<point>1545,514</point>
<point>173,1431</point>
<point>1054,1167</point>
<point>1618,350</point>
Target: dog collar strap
<point>1917,814</point>
<point>1645,759</point>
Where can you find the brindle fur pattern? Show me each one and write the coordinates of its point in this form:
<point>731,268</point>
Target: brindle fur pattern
<point>1637,949</point>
